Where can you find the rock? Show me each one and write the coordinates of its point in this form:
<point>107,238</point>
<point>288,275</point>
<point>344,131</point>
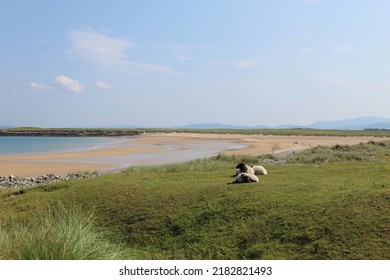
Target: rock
<point>12,181</point>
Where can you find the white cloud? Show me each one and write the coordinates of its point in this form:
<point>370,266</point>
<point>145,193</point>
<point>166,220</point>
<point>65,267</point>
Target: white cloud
<point>69,83</point>
<point>41,87</point>
<point>102,85</point>
<point>107,51</point>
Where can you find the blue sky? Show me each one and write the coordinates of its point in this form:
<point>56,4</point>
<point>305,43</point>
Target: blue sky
<point>168,63</point>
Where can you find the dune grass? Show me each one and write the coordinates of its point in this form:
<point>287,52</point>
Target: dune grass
<point>321,203</point>
<point>60,234</point>
<point>274,131</point>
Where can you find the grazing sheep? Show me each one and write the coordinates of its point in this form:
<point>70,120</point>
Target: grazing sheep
<point>245,178</point>
<point>244,168</point>
<point>259,170</point>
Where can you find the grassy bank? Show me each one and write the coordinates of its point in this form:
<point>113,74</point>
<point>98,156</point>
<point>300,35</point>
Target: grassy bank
<point>323,203</point>
<point>69,132</point>
<point>278,132</point>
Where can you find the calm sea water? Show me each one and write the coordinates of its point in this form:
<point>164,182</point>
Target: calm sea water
<point>10,145</point>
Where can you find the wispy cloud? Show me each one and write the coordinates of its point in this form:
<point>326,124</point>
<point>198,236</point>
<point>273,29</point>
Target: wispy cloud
<point>69,84</point>
<point>309,2</point>
<point>181,56</point>
<point>241,63</point>
<point>148,67</point>
<point>308,50</point>
<point>245,63</point>
<point>41,87</point>
<point>102,85</point>
<point>107,51</point>
<point>185,52</point>
<point>356,85</point>
<point>341,49</point>
<point>93,47</point>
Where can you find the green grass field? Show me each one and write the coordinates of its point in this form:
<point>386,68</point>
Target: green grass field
<point>322,203</point>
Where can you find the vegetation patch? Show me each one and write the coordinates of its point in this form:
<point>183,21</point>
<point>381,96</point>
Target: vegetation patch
<point>56,234</point>
<point>367,152</point>
<point>63,132</point>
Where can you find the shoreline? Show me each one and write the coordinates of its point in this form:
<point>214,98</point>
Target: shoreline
<point>162,148</point>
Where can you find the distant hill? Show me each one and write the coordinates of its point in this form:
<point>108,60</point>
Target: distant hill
<point>213,125</point>
<point>6,126</point>
<point>354,124</point>
<point>360,123</point>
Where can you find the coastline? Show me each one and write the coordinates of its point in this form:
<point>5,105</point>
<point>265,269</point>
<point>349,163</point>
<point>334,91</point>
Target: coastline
<point>162,148</point>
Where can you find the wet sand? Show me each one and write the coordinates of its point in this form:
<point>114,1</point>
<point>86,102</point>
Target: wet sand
<point>162,148</point>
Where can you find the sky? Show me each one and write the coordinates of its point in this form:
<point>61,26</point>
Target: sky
<point>152,63</point>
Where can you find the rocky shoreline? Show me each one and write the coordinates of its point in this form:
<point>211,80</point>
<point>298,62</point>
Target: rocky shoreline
<point>11,181</point>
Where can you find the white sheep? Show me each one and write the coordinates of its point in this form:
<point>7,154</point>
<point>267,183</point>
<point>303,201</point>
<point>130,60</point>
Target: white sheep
<point>244,168</point>
<point>259,170</point>
<point>245,178</point>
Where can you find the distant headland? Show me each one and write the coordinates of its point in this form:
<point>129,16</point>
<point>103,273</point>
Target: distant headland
<point>68,132</point>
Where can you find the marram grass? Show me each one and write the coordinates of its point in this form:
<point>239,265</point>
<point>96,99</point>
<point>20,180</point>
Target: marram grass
<point>61,234</point>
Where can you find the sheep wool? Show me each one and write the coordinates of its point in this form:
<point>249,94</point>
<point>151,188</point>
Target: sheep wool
<point>246,178</point>
<point>259,170</point>
<point>244,168</point>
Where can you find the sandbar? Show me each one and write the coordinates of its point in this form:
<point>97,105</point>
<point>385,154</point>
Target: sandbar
<point>162,148</point>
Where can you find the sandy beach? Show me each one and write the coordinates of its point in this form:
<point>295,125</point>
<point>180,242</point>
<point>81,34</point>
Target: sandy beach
<point>161,148</point>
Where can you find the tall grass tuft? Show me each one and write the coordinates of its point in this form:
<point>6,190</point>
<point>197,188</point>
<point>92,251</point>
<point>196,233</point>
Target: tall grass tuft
<point>56,234</point>
<point>194,165</point>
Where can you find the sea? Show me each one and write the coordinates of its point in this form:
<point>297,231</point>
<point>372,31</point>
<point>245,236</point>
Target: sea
<point>13,145</point>
<point>171,152</point>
